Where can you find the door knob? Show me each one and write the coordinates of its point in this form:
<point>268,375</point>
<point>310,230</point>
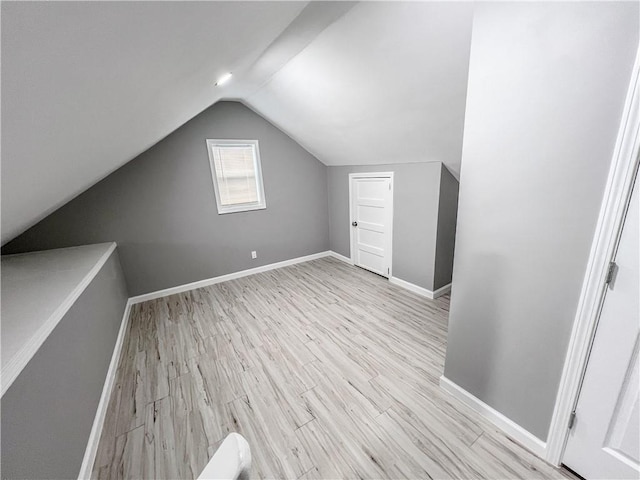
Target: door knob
<point>355,224</point>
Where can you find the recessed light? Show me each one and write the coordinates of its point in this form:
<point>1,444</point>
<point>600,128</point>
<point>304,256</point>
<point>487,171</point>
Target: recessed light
<point>223,79</point>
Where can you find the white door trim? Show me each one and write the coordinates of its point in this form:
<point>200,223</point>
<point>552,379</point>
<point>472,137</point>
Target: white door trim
<point>353,176</point>
<point>610,222</point>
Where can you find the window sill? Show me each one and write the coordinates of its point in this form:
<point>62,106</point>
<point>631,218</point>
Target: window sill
<point>241,208</point>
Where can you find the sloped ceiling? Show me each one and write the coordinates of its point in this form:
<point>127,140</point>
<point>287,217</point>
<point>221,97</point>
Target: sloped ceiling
<point>386,83</point>
<point>87,86</point>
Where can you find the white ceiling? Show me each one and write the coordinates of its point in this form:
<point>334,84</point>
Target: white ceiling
<point>386,83</point>
<point>87,86</point>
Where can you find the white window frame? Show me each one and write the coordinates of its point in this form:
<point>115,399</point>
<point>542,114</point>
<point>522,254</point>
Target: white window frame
<point>261,204</point>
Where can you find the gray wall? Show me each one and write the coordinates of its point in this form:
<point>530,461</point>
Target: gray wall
<point>48,412</point>
<point>446,234</point>
<point>415,216</point>
<point>161,210</point>
<point>547,84</point>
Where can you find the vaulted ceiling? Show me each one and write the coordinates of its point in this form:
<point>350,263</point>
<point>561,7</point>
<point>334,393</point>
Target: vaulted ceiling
<point>87,86</point>
<point>386,83</point>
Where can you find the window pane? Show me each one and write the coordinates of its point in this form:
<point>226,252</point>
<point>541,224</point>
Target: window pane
<point>236,174</point>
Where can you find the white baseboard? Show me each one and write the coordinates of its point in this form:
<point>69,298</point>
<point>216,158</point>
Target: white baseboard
<point>442,291</point>
<point>420,290</point>
<point>402,283</point>
<point>224,278</point>
<point>101,413</point>
<point>508,426</point>
<point>340,257</point>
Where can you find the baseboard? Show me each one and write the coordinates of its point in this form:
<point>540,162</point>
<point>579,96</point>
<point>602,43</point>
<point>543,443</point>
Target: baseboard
<point>508,426</point>
<point>101,412</point>
<point>442,291</point>
<point>423,292</point>
<point>340,257</point>
<point>224,278</point>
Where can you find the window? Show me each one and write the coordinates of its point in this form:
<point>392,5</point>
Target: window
<point>237,177</point>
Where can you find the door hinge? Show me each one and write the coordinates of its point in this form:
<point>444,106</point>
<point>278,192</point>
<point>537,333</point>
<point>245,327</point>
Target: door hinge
<point>389,186</point>
<point>388,271</point>
<point>572,420</point>
<point>610,272</point>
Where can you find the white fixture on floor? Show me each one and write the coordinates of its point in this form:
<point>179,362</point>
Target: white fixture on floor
<point>231,461</point>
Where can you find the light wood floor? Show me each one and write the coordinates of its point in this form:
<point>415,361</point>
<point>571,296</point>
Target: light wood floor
<point>327,370</point>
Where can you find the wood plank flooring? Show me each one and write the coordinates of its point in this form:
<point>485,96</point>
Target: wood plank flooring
<point>328,371</point>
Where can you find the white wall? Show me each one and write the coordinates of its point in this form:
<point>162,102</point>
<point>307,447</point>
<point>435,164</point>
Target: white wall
<point>547,82</point>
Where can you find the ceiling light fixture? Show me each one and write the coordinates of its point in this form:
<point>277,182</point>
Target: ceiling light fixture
<point>223,79</point>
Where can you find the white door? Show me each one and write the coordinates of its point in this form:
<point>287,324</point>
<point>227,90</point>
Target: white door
<point>371,197</point>
<point>605,439</point>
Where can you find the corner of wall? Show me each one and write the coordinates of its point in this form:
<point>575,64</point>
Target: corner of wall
<point>446,231</point>
<point>329,226</point>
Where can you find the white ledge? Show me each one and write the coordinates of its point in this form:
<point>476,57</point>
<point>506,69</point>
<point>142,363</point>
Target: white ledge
<point>38,289</point>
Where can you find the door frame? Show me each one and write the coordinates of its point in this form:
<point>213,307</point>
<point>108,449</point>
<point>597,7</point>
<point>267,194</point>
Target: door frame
<point>352,177</point>
<point>617,194</point>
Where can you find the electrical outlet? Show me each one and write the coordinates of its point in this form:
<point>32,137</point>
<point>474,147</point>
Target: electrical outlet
<point>254,254</point>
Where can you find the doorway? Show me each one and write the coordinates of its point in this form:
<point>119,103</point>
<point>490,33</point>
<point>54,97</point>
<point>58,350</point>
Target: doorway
<point>604,441</point>
<point>371,218</point>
